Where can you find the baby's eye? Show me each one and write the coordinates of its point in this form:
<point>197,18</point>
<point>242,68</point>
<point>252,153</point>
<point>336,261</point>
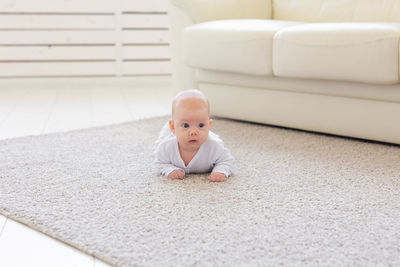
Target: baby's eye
<point>201,125</point>
<point>186,125</point>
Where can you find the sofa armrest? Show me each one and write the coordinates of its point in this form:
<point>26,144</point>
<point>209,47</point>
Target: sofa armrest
<point>206,10</point>
<point>183,76</point>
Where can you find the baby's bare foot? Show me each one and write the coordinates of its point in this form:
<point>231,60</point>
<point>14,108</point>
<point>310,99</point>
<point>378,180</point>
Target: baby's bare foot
<point>176,174</point>
<point>217,177</point>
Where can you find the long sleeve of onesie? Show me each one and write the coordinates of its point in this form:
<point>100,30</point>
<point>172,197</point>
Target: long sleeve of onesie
<point>163,152</point>
<point>224,162</point>
<point>163,162</point>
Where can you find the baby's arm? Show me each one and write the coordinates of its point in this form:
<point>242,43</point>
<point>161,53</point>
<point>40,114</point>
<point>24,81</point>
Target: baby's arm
<point>169,170</point>
<point>223,167</point>
<point>165,167</point>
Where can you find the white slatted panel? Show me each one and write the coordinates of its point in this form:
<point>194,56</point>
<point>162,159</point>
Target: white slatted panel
<point>59,22</point>
<point>146,67</point>
<point>145,5</point>
<point>145,52</point>
<point>55,6</point>
<point>58,69</point>
<point>67,38</point>
<point>41,53</point>
<point>145,21</point>
<point>145,37</point>
<point>35,38</point>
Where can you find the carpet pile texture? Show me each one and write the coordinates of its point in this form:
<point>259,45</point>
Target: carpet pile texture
<point>297,198</point>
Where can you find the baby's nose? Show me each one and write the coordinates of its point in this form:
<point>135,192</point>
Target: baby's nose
<point>193,132</point>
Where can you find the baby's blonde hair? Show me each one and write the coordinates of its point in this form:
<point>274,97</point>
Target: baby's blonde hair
<point>190,93</point>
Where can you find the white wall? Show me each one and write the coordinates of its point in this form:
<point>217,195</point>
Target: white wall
<point>80,38</point>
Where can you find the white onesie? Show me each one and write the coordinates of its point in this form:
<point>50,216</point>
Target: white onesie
<point>212,155</point>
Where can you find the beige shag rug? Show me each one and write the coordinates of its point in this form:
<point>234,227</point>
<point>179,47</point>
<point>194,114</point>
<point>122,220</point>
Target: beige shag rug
<point>297,199</point>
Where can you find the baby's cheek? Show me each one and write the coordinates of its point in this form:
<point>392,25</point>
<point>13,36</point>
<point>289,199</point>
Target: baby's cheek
<point>180,137</point>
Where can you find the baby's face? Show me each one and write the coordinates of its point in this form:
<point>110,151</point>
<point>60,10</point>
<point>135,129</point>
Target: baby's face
<point>191,123</point>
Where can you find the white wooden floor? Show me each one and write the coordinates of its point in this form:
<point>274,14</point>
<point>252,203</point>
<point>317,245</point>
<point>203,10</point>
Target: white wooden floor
<point>34,108</point>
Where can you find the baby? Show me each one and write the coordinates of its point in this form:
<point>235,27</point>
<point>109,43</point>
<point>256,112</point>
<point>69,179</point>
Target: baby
<point>186,144</point>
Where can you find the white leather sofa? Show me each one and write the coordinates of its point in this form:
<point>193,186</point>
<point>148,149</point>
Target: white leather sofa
<point>328,66</point>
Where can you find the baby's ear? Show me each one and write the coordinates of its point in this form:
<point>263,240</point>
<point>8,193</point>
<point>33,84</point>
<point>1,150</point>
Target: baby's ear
<point>172,126</point>
<point>210,122</point>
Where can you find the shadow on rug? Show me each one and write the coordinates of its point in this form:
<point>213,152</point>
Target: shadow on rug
<point>297,198</point>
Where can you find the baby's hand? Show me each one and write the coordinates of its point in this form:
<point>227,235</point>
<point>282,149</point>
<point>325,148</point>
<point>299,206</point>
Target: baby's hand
<point>176,174</point>
<point>217,177</point>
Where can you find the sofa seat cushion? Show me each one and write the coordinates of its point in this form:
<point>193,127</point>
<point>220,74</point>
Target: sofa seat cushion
<point>362,52</point>
<point>240,46</point>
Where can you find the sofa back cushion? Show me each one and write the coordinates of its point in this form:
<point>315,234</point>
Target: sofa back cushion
<point>337,10</point>
<point>207,10</point>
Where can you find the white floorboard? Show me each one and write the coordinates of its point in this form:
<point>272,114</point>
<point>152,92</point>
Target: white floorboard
<point>30,113</point>
<point>21,246</point>
<point>8,100</point>
<point>72,110</point>
<point>2,223</point>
